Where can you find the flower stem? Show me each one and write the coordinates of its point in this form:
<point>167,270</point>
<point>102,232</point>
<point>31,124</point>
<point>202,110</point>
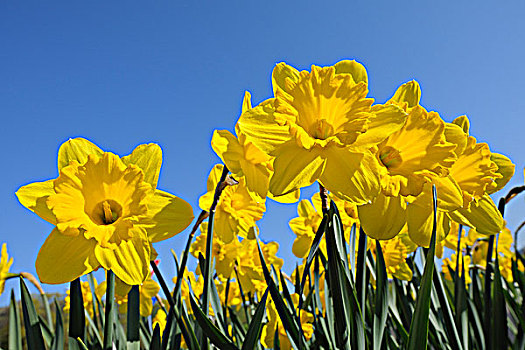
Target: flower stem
<point>323,192</point>
<point>209,239</point>
<point>110,311</point>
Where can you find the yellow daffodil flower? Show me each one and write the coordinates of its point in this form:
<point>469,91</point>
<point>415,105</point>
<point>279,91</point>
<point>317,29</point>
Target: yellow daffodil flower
<point>224,254</point>
<point>5,265</point>
<point>410,158</point>
<point>306,225</point>
<point>87,296</point>
<point>147,291</point>
<point>107,212</point>
<point>320,126</point>
<point>452,263</point>
<point>236,212</point>
<point>395,253</point>
<point>274,323</point>
<point>160,319</point>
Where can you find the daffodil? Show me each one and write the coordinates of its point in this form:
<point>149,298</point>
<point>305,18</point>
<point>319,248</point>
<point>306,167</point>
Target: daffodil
<point>5,265</point>
<point>236,212</point>
<point>107,212</point>
<point>310,215</point>
<point>411,157</point>
<point>87,296</point>
<point>395,253</point>
<point>147,291</point>
<point>275,326</point>
<point>320,126</point>
<point>224,254</point>
<point>160,319</point>
<point>451,264</point>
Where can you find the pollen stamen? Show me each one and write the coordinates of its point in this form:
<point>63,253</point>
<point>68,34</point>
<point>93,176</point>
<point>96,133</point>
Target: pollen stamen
<point>109,216</point>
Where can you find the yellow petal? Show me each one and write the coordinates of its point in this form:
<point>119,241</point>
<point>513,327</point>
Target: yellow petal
<point>34,197</point>
<point>281,73</point>
<point>301,246</point>
<point>449,195</point>
<point>147,157</point>
<point>64,258</point>
<point>384,217</point>
<point>167,216</point>
<point>463,123</point>
<point>227,147</point>
<point>292,197</point>
<point>295,167</point>
<point>403,272</point>
<point>505,169</point>
<point>257,177</point>
<point>456,135</point>
<point>408,92</point>
<point>263,128</point>
<point>129,261</point>
<point>420,221</point>
<point>351,176</point>
<point>246,102</point>
<point>384,121</point>
<point>482,215</point>
<point>354,68</point>
<point>78,150</point>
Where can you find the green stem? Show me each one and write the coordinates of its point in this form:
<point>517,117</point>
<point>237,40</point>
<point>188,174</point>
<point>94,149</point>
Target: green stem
<point>133,324</point>
<point>109,312</point>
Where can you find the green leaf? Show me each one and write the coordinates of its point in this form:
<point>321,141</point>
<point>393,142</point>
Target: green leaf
<point>499,327</point>
<point>15,331</point>
<point>417,337</point>
<point>289,324</point>
<point>209,329</point>
<point>34,336</point>
<point>381,298</point>
<point>110,310</point>
<point>255,328</point>
<point>155,339</point>
<point>133,324</point>
<point>58,340</point>
<point>77,319</point>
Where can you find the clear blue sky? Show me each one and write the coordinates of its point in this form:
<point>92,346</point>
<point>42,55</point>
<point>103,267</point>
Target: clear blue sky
<point>125,73</point>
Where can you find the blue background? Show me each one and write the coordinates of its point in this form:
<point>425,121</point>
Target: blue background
<point>126,73</point>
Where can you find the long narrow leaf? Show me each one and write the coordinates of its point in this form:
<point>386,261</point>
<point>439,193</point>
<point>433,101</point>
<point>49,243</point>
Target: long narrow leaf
<point>254,330</point>
<point>77,319</point>
<point>133,324</point>
<point>34,336</point>
<point>15,331</point>
<point>110,310</point>
<point>499,327</point>
<point>381,298</point>
<point>417,338</point>
<point>58,340</point>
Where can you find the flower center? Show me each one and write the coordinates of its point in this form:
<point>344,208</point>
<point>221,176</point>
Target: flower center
<point>322,130</point>
<point>390,157</point>
<point>107,212</point>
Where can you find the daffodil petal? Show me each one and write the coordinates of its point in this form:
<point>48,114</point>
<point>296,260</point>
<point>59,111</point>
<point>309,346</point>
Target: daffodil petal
<point>384,121</point>
<point>167,216</point>
<point>384,217</point>
<point>505,169</point>
<point>64,258</point>
<point>351,176</point>
<point>34,197</point>
<point>456,135</point>
<point>484,216</point>
<point>257,177</point>
<point>292,197</point>
<point>354,68</point>
<point>147,157</point>
<point>227,147</point>
<point>263,128</point>
<point>463,122</point>
<point>76,149</point>
<point>409,92</point>
<point>420,221</point>
<point>121,289</point>
<point>295,167</point>
<point>129,261</point>
<point>301,246</point>
<point>449,195</point>
<point>280,73</point>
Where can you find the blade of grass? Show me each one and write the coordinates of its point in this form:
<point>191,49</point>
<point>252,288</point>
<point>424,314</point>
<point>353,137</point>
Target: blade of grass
<point>155,339</point>
<point>499,327</point>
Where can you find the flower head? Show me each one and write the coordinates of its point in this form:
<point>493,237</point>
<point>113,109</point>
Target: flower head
<point>5,264</point>
<point>107,212</point>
